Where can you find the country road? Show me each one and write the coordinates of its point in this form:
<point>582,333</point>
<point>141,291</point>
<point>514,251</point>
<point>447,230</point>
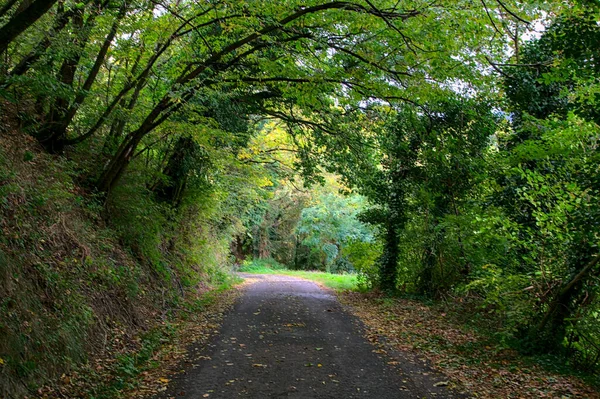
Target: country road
<point>289,338</point>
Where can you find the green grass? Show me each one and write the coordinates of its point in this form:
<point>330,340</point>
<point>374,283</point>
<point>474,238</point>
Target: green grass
<point>338,282</point>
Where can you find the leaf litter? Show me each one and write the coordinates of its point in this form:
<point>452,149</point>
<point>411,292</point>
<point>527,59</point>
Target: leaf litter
<point>485,371</point>
<point>194,331</point>
<point>190,332</point>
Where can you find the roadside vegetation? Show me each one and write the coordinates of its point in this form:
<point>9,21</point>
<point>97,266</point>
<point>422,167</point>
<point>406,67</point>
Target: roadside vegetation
<point>464,345</point>
<point>489,203</point>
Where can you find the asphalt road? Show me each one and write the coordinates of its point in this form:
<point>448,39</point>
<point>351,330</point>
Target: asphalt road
<point>289,338</point>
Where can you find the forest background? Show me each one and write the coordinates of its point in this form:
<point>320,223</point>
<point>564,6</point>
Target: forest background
<point>444,149</point>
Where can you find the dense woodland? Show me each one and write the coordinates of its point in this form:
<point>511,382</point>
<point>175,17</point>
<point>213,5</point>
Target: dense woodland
<point>443,149</point>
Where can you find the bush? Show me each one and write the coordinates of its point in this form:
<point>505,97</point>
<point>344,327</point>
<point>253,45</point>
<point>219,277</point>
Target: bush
<point>258,265</point>
<point>363,258</point>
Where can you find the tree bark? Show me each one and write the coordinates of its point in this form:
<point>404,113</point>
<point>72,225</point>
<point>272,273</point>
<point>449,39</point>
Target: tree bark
<point>566,293</point>
<point>549,334</point>
<point>23,20</point>
<point>118,125</point>
<point>172,190</point>
<point>117,165</point>
<point>53,134</point>
<point>388,266</point>
<point>59,24</point>
<point>60,129</point>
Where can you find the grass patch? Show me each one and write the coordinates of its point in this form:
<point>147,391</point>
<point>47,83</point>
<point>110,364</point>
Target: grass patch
<point>338,282</point>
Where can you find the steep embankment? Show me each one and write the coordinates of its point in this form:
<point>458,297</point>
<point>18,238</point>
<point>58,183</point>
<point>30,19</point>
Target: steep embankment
<point>69,292</point>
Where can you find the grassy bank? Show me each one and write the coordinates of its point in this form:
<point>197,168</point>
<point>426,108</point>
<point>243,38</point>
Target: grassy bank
<point>91,291</point>
<point>338,282</point>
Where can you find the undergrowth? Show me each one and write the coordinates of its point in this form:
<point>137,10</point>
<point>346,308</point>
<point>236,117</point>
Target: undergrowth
<point>81,279</point>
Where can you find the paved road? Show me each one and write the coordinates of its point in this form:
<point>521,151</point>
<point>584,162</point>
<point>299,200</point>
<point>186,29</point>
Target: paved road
<point>288,338</point>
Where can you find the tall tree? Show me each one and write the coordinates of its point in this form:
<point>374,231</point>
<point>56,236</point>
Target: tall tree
<point>554,81</point>
<point>53,133</point>
<point>20,21</point>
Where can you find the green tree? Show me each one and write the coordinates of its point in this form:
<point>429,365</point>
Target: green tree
<point>551,187</point>
<point>436,148</point>
<point>329,225</point>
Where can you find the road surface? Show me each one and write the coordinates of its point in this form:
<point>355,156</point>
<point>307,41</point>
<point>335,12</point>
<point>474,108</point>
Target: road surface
<point>289,338</point>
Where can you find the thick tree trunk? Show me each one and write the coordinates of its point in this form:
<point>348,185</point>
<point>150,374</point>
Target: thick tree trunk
<point>53,134</point>
<point>388,263</point>
<point>59,23</point>
<point>239,249</point>
<point>176,171</point>
<point>49,134</point>
<point>23,20</point>
<point>61,127</point>
<point>119,162</point>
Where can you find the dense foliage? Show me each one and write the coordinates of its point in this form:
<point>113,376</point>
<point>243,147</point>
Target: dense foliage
<point>501,204</point>
<point>492,202</point>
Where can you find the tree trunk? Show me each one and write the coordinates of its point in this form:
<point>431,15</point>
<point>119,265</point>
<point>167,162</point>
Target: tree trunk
<point>239,250</point>
<point>176,171</point>
<point>388,266</point>
<point>60,131</point>
<point>549,333</point>
<point>118,164</point>
<point>59,23</point>
<point>118,125</point>
<point>23,20</point>
<point>138,83</point>
<point>53,134</point>
<point>7,7</point>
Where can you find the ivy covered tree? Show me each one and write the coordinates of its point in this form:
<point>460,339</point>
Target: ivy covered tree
<point>434,149</point>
